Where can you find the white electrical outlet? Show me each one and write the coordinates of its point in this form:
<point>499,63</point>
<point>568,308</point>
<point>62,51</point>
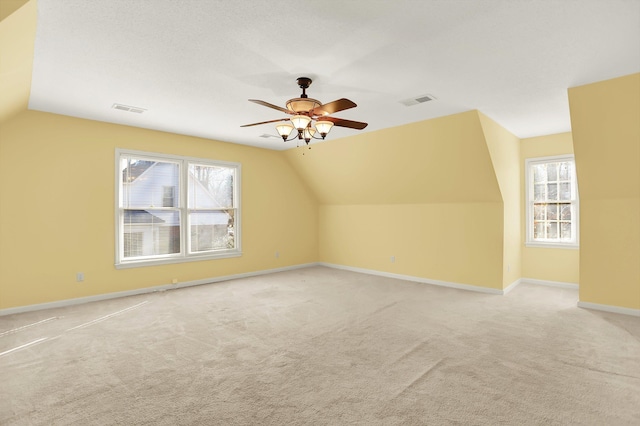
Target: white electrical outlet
<point>393,259</point>
<point>79,276</point>
<point>277,254</point>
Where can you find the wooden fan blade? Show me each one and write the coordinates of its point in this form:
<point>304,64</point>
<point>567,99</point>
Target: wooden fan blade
<point>265,122</point>
<point>346,123</point>
<point>335,106</point>
<point>267,104</point>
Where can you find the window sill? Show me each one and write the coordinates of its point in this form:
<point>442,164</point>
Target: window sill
<point>552,245</point>
<point>173,260</point>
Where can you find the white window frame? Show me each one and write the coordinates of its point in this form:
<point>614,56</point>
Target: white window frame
<point>184,255</point>
<point>529,203</point>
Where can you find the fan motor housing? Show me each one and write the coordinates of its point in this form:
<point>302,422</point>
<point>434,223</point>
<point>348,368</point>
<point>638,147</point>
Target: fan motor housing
<point>302,105</point>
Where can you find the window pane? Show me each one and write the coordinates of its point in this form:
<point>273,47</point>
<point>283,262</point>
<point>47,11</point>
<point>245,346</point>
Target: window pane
<point>538,211</point>
<point>168,196</point>
<point>552,171</point>
<point>552,191</point>
<point>565,231</point>
<point>133,244</point>
<point>151,232</point>
<point>538,230</point>
<point>552,230</point>
<point>210,187</point>
<point>212,230</point>
<point>565,212</point>
<point>539,173</point>
<point>565,191</point>
<point>552,211</point>
<point>143,182</point>
<point>565,171</point>
<point>538,193</point>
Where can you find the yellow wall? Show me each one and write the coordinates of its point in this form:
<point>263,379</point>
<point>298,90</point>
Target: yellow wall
<point>57,209</point>
<point>605,118</point>
<point>454,242</point>
<point>504,148</point>
<point>548,264</point>
<point>17,39</point>
<point>439,195</point>
<point>425,193</point>
<point>443,160</point>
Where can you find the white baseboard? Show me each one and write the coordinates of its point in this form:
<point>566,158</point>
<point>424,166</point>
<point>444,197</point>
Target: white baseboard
<point>610,308</point>
<point>512,286</point>
<point>468,287</point>
<point>416,279</point>
<point>115,295</point>
<point>559,284</point>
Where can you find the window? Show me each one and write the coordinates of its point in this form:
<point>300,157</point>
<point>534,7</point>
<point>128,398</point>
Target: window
<point>552,202</point>
<point>133,244</point>
<point>175,209</point>
<point>168,196</point>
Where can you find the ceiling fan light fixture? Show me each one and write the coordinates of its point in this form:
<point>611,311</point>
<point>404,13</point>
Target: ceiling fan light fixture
<point>298,105</point>
<point>308,134</point>
<point>308,116</point>
<point>284,130</point>
<point>323,127</point>
<point>300,122</point>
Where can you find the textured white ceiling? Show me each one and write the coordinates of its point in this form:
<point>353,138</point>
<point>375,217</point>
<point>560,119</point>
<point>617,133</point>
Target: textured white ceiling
<point>192,64</point>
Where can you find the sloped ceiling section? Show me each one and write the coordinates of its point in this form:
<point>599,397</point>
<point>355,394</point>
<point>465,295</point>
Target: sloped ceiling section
<point>442,160</point>
<point>17,40</point>
<point>7,7</point>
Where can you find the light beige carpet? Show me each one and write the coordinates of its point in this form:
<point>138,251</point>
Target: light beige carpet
<point>320,346</point>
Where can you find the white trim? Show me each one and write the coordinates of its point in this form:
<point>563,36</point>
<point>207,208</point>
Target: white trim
<point>511,286</point>
<point>540,244</point>
<point>115,295</point>
<point>609,308</point>
<point>559,284</point>
<point>458,286</point>
<point>174,259</point>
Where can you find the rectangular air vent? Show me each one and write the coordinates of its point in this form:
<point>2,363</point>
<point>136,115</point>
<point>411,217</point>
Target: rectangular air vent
<point>267,136</point>
<point>128,108</point>
<point>418,100</point>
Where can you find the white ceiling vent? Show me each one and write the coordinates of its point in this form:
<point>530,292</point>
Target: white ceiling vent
<point>267,136</point>
<point>128,108</point>
<point>418,100</point>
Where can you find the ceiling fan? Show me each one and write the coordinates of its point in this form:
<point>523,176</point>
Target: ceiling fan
<point>309,116</point>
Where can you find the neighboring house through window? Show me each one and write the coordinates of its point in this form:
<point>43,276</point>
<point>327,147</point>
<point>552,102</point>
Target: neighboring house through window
<point>168,196</point>
<point>174,209</point>
<point>133,244</point>
<point>552,202</point>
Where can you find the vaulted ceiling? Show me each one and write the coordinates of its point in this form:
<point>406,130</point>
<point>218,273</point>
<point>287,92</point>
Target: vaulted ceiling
<point>192,65</point>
